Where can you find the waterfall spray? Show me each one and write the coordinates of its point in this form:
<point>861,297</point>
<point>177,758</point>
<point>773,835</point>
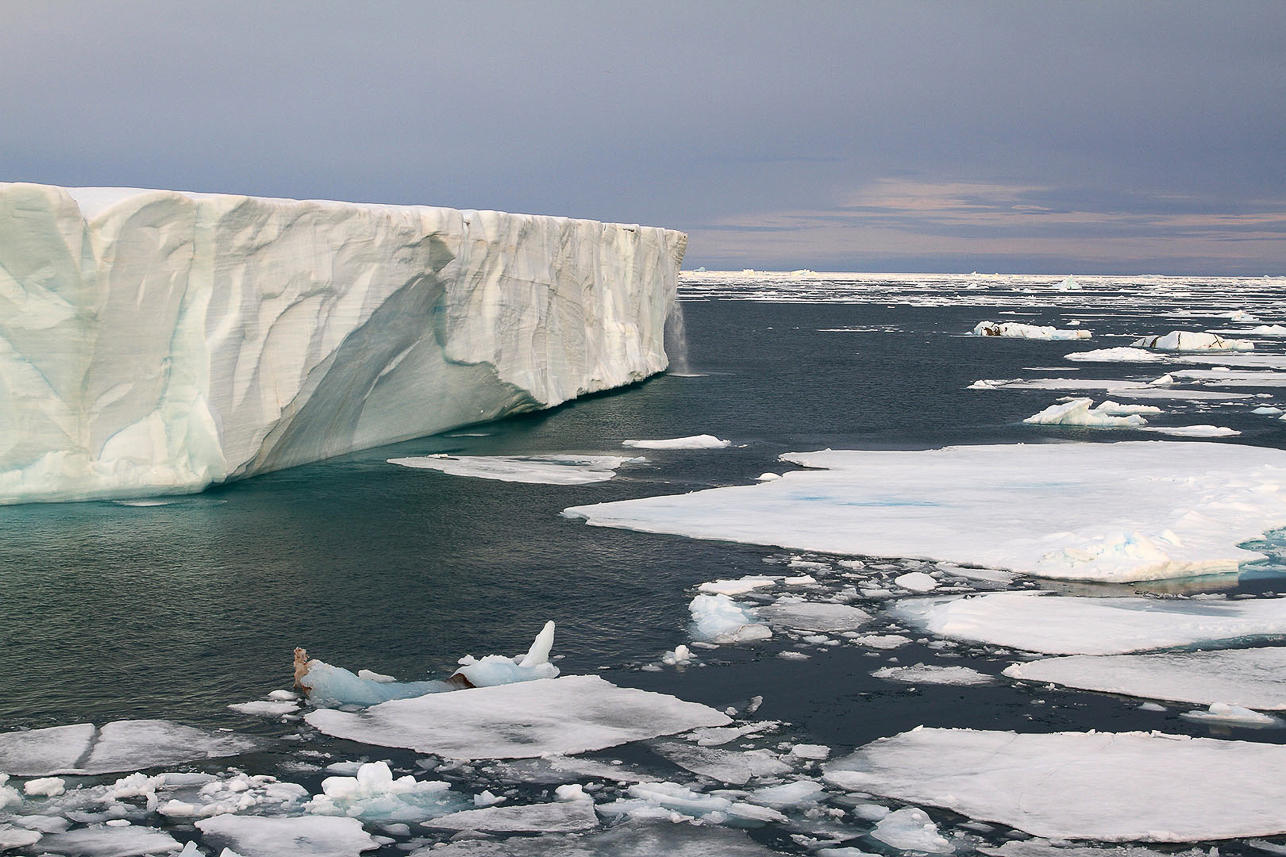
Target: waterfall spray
<point>676,340</point>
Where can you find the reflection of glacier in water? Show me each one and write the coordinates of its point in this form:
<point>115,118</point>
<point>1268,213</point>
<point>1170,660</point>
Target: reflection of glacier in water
<point>195,605</point>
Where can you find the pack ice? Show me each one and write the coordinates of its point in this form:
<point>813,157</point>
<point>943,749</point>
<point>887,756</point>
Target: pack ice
<point>156,341</point>
<point>1093,511</point>
<point>1114,787</point>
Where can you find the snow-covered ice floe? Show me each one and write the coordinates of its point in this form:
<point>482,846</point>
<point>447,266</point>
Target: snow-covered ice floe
<point>157,341</point>
<point>930,674</point>
<point>1120,354</point>
<point>1255,678</point>
<point>1159,388</point>
<point>643,838</point>
<point>1096,511</point>
<point>541,469</point>
<point>1017,330</point>
<point>1201,430</point>
<point>1229,714</point>
<point>718,619</point>
<point>1113,787</point>
<point>696,441</point>
<point>122,745</point>
<point>375,794</point>
<point>562,716</point>
<point>1185,340</point>
<point>1076,625</point>
<point>305,836</point>
<point>1081,412</point>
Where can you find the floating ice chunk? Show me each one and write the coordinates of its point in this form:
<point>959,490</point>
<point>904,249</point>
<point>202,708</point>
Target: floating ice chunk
<point>1268,330</point>
<point>911,829</point>
<point>928,674</point>
<point>207,796</point>
<point>540,469</point>
<point>1255,678</point>
<point>557,769</point>
<point>16,837</point>
<point>1095,511</point>
<point>266,708</point>
<point>672,797</point>
<point>1016,330</point>
<point>110,841</point>
<point>1223,376</point>
<point>628,839</point>
<point>1159,388</point>
<point>567,715</point>
<point>697,441</point>
<point>1074,785</point>
<point>1232,715</point>
<point>786,795</point>
<point>727,766</point>
<point>493,670</point>
<point>916,581</point>
<point>1072,625</point>
<point>1116,409</point>
<point>307,836</point>
<point>740,586</point>
<point>45,786</point>
<point>560,817</point>
<point>1069,285</point>
<point>681,655</point>
<point>375,794</point>
<point>809,616</point>
<point>1045,848</point>
<point>122,745</point>
<point>768,477</point>
<point>882,641</point>
<point>1195,431</point>
<point>815,752</point>
<point>328,685</point>
<point>1115,355</point>
<point>719,619</point>
<point>1181,340</point>
<point>1267,410</point>
<point>1080,412</point>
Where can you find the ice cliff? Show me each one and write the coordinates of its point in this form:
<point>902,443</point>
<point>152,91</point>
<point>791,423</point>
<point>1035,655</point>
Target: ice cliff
<point>157,341</point>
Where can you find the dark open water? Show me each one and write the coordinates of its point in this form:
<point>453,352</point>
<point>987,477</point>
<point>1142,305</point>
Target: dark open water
<point>174,611</point>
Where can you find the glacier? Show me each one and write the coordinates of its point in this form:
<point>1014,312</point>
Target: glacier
<point>158,342</point>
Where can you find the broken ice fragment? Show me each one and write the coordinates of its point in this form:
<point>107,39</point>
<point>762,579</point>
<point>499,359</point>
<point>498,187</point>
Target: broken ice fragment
<point>122,745</point>
<point>560,817</point>
<point>911,829</point>
<point>306,836</point>
<point>719,619</point>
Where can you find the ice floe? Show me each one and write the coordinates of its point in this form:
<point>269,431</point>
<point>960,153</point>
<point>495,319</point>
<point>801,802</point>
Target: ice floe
<point>492,670</point>
<point>1185,340</point>
<point>563,716</point>
<point>374,793</point>
<point>740,586</point>
<point>560,817</point>
<point>102,840</point>
<point>1081,412</point>
<point>1112,787</point>
<point>674,801</point>
<point>306,836</point>
<point>719,619</point>
<point>1120,354</point>
<point>541,469</point>
<point>911,829</point>
<point>1076,625</point>
<point>734,767</point>
<point>1228,714</point>
<point>1255,678</point>
<point>929,674</point>
<point>916,581</point>
<point>1202,430</point>
<point>1017,330</point>
<point>122,745</point>
<point>1096,511</point>
<point>696,441</point>
<point>628,839</point>
<point>1159,388</point>
<point>802,615</point>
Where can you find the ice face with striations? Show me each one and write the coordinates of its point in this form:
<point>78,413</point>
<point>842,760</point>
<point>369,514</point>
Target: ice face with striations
<point>158,341</point>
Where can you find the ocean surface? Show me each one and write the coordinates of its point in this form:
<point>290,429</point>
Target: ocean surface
<point>177,607</point>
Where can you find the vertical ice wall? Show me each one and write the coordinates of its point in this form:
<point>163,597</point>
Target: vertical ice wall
<point>158,341</point>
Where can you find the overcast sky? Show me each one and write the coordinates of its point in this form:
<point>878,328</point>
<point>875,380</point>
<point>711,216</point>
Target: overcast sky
<point>1054,137</point>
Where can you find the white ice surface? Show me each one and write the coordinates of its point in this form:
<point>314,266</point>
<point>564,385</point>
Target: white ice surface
<point>122,745</point>
<point>1229,714</point>
<point>1120,354</point>
<point>1185,340</point>
<point>1070,785</point>
<point>698,441</point>
<point>916,581</point>
<point>629,839</point>
<point>719,619</point>
<point>813,616</point>
<point>929,674</point>
<point>911,829</point>
<point>1255,678</point>
<point>540,469</point>
<point>1074,625</point>
<point>1203,430</point>
<point>266,707</point>
<point>1097,511</point>
<point>1017,330</point>
<point>567,715</point>
<point>1120,389</point>
<point>675,801</point>
<point>105,841</point>
<point>560,817</point>
<point>1081,412</point>
<point>735,767</point>
<point>1228,377</point>
<point>157,341</point>
<point>375,794</point>
<point>740,586</point>
<point>492,670</point>
<point>306,836</point>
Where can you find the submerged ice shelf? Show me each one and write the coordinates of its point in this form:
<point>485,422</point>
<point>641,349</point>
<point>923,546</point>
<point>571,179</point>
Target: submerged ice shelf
<point>157,341</point>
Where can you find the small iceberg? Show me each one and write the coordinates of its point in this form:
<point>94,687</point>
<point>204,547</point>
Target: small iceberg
<point>1017,330</point>
<point>697,441</point>
<point>1081,412</point>
<point>1180,340</point>
<point>537,469</point>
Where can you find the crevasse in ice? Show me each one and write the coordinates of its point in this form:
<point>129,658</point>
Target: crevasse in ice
<point>156,341</point>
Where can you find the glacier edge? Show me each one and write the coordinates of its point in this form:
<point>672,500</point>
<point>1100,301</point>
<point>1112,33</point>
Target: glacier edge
<point>157,341</point>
